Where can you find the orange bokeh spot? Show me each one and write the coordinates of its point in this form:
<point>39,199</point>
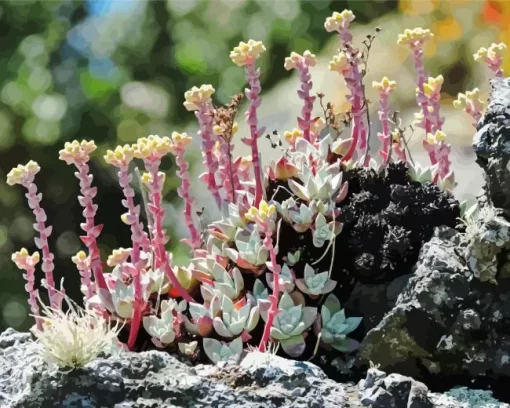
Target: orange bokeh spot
<point>447,29</point>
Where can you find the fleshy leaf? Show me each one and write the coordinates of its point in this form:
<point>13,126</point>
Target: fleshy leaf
<point>294,347</point>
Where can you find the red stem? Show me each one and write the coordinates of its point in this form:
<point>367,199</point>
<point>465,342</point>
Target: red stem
<point>273,310</point>
<point>159,238</point>
<point>253,96</point>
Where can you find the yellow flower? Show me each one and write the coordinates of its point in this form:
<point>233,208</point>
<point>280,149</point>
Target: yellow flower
<point>23,173</point>
<point>247,53</point>
<point>235,128</point>
<point>470,97</point>
<point>196,97</point>
<point>146,178</point>
<point>121,156</point>
<point>291,137</point>
<point>339,63</point>
<point>432,86</point>
<point>415,36</point>
<point>262,213</point>
<point>385,85</point>
<point>434,138</point>
<point>22,258</point>
<point>152,147</point>
<point>395,136</point>
<point>124,217</point>
<point>118,256</point>
<point>77,152</point>
<point>181,140</point>
<point>295,58</point>
<point>79,258</point>
<point>492,54</point>
<point>339,20</point>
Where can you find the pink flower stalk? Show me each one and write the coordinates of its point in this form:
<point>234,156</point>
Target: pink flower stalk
<point>493,57</point>
<point>397,146</point>
<point>121,158</point>
<point>243,170</point>
<point>303,64</point>
<point>253,97</point>
<point>181,142</point>
<point>340,23</point>
<point>471,103</point>
<point>264,217</point>
<point>139,237</point>
<point>226,169</point>
<point>239,173</point>
<point>346,65</point>
<point>432,91</point>
<point>82,262</point>
<point>199,100</point>
<point>152,150</point>
<point>78,154</point>
<point>273,309</point>
<point>245,55</point>
<point>385,87</point>
<point>436,143</point>
<point>25,175</point>
<point>415,40</point>
<point>27,263</point>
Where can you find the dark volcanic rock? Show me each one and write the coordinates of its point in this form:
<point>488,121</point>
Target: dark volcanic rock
<point>448,327</point>
<point>158,380</point>
<point>492,144</point>
<point>386,219</point>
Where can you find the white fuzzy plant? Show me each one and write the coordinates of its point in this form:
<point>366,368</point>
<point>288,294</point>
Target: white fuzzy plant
<point>72,339</point>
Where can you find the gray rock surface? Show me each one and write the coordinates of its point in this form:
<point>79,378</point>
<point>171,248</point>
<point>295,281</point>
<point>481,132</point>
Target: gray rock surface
<point>158,380</point>
<point>447,322</point>
<point>492,144</point>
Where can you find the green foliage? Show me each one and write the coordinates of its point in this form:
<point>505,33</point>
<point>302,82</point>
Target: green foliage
<point>68,75</point>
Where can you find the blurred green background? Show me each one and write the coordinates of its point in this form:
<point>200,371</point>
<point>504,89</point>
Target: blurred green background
<point>116,70</point>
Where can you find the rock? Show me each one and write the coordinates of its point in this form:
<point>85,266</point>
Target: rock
<point>466,398</point>
<point>393,391</point>
<point>155,379</point>
<point>10,337</point>
<point>492,144</point>
<point>448,325</point>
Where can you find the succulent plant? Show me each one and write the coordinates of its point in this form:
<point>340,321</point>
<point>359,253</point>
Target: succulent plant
<point>334,326</point>
<point>419,173</point>
<point>164,329</point>
<point>228,226</point>
<point>202,317</point>
<point>290,325</point>
<point>250,253</point>
<point>325,231</point>
<point>123,298</point>
<point>275,221</point>
<point>188,349</point>
<point>220,351</point>
<point>286,279</point>
<point>226,283</point>
<point>300,216</point>
<point>315,284</point>
<point>323,184</point>
<point>293,257</point>
<point>236,320</point>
